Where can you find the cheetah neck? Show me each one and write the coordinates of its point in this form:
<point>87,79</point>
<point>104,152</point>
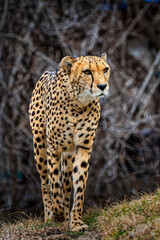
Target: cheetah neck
<point>86,98</point>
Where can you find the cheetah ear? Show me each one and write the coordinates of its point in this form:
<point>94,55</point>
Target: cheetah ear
<point>104,56</point>
<point>67,62</point>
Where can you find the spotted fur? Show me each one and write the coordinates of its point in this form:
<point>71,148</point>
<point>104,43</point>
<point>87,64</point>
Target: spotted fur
<point>64,114</point>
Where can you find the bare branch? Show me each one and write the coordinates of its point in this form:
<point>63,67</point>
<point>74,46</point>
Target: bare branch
<point>89,42</point>
<point>145,83</point>
<point>4,15</point>
<point>63,44</point>
<point>146,100</point>
<point>32,47</point>
<point>129,30</point>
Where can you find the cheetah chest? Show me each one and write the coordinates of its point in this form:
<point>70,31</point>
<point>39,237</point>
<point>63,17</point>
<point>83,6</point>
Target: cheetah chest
<point>67,128</point>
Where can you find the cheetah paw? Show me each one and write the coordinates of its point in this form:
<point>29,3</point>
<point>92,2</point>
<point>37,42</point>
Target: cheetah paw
<point>79,228</point>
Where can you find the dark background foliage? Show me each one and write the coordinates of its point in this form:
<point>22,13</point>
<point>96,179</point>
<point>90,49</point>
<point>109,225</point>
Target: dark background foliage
<point>34,37</point>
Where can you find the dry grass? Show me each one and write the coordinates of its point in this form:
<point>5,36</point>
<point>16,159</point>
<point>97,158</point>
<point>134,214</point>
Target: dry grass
<point>35,228</point>
<point>134,219</point>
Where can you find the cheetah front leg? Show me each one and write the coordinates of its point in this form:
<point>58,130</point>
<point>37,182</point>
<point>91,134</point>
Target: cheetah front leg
<point>39,140</point>
<point>67,169</point>
<point>80,175</point>
<point>54,172</point>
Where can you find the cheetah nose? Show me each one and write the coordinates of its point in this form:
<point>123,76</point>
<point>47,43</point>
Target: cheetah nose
<point>102,86</point>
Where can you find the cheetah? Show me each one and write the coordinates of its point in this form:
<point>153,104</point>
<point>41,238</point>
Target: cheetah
<point>64,112</point>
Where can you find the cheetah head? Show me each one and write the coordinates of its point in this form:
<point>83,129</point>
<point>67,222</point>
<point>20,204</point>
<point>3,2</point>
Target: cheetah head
<point>88,76</point>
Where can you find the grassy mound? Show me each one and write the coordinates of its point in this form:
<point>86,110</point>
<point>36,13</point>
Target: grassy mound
<point>134,219</point>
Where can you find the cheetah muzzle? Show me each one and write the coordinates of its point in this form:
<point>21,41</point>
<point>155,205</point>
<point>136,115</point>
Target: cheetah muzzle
<point>64,113</point>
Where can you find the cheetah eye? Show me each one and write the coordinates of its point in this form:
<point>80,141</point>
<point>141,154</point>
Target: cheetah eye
<point>87,72</point>
<point>105,70</point>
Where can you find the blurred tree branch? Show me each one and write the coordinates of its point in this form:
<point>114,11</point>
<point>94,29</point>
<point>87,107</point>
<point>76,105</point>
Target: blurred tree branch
<point>129,29</point>
<point>3,19</point>
<point>145,83</point>
<point>32,47</point>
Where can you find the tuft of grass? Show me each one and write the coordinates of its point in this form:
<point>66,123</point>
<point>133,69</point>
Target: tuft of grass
<point>136,219</point>
<point>91,218</point>
<point>43,225</point>
<point>24,227</point>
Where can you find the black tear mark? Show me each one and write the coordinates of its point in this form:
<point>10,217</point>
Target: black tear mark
<point>92,82</point>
